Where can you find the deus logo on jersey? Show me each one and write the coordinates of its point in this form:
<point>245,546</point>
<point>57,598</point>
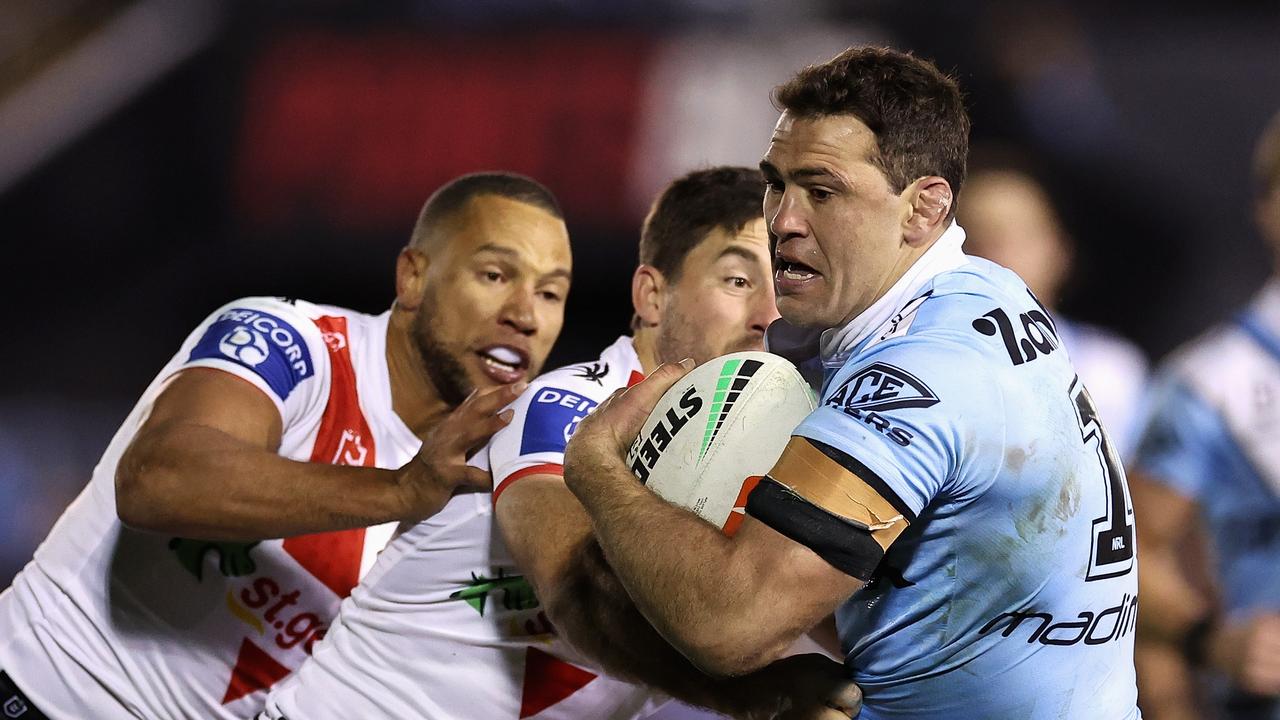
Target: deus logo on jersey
<point>877,388</point>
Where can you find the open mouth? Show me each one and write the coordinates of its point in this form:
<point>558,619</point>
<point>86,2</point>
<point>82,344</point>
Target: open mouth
<point>503,363</point>
<point>795,271</point>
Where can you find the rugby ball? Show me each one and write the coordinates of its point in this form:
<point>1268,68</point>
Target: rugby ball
<point>718,430</point>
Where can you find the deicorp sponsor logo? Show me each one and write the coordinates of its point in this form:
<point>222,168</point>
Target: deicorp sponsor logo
<point>552,417</point>
<point>877,388</point>
<point>1109,625</point>
<point>260,341</point>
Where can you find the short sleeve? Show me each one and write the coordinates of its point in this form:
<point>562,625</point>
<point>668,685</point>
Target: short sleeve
<point>545,417</point>
<point>1180,438</point>
<point>900,418</point>
<point>268,343</point>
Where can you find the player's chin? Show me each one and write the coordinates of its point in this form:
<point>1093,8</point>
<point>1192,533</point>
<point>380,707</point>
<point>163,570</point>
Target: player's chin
<point>804,311</point>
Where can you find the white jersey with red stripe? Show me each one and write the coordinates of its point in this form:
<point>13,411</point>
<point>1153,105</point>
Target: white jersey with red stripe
<point>108,622</point>
<point>444,625</point>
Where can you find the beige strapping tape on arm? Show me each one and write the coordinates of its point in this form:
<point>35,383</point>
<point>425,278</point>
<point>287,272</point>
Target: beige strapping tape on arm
<point>826,483</point>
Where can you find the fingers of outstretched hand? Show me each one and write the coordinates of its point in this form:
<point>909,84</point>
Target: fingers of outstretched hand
<point>628,409</point>
<point>474,479</point>
<point>479,416</point>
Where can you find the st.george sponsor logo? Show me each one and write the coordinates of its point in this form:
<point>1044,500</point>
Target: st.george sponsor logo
<point>1109,625</point>
<point>260,602</point>
<point>264,597</point>
<point>645,451</point>
<point>877,388</point>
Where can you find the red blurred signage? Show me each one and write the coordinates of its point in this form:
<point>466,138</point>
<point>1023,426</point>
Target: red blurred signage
<point>356,131</point>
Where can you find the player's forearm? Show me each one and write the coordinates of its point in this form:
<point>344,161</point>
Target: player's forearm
<point>592,610</point>
<point>1171,605</point>
<point>196,481</point>
<point>700,601</point>
<point>1165,682</point>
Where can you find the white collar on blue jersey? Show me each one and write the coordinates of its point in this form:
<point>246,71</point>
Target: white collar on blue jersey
<point>834,344</point>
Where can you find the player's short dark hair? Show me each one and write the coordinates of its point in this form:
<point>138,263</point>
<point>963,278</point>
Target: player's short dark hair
<point>454,195</point>
<point>915,110</point>
<point>1266,159</point>
<point>692,206</point>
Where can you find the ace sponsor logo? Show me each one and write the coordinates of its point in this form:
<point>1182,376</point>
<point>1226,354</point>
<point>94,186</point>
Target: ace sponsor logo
<point>878,388</point>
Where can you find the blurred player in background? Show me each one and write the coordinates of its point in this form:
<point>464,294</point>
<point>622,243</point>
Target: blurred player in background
<point>954,496</point>
<point>456,618</point>
<point>1009,219</point>
<point>280,418</point>
<point>1209,457</point>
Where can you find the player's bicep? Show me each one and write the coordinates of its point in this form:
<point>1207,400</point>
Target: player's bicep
<point>826,501</point>
<point>1164,514</point>
<point>543,525</point>
<point>216,400</point>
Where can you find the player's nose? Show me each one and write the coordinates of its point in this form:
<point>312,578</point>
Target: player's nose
<point>763,310</point>
<point>787,218</point>
<point>518,312</point>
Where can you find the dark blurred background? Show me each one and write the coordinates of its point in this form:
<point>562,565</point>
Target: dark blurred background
<point>160,157</point>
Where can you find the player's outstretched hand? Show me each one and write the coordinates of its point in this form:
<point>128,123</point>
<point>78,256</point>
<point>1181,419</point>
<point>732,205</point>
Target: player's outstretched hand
<point>602,439</point>
<point>1249,652</point>
<point>440,468</point>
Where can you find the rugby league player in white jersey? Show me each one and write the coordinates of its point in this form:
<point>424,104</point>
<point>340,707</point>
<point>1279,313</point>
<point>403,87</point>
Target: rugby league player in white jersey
<point>282,419</point>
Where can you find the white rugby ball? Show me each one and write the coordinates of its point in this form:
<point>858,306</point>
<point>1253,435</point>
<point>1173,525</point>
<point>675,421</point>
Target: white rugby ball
<point>718,430</point>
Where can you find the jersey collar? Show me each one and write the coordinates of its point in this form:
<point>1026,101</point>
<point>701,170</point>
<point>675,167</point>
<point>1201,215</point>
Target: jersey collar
<point>835,345</point>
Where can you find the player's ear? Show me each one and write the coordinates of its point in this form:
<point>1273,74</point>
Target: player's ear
<point>929,200</point>
<point>411,278</point>
<point>648,294</point>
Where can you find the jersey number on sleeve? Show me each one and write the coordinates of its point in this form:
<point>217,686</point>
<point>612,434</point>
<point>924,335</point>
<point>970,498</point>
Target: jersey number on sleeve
<point>1111,551</point>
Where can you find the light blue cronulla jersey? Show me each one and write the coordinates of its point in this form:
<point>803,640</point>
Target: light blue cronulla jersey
<point>1212,434</point>
<point>1013,592</point>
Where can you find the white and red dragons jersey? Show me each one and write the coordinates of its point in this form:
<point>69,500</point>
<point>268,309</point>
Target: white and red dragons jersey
<point>107,622</point>
<point>444,626</point>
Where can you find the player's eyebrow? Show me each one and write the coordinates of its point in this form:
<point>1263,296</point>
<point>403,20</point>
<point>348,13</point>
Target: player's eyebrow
<point>737,251</point>
<point>817,173</point>
<point>770,172</point>
<point>820,174</point>
<point>513,254</point>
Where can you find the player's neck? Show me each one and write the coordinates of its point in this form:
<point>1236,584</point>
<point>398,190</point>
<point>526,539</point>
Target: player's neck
<point>413,396</point>
<point>645,341</point>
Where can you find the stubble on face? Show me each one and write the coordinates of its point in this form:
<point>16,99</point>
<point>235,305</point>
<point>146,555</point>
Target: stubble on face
<point>685,334</point>
<point>443,366</point>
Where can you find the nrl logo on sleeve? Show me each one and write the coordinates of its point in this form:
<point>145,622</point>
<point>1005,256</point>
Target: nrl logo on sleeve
<point>881,386</point>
